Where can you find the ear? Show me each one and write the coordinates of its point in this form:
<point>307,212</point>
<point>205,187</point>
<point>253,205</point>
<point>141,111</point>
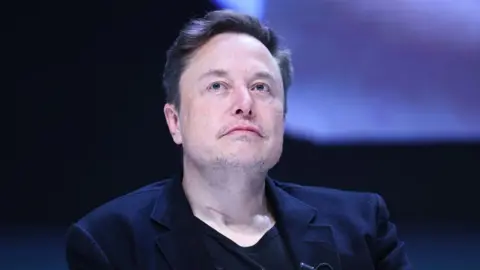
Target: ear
<point>173,122</point>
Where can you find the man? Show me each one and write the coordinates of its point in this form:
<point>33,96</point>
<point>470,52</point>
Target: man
<point>226,80</point>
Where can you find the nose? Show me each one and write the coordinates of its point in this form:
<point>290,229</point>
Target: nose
<point>243,103</point>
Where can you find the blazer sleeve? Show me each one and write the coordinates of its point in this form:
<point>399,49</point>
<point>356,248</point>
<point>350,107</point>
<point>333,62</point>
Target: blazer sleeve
<point>388,250</point>
<point>83,252</point>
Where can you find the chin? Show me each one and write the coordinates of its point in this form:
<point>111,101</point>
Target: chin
<point>236,160</point>
<point>250,161</point>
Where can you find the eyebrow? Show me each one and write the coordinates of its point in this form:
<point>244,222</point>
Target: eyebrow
<point>214,73</point>
<point>263,75</point>
<point>223,73</point>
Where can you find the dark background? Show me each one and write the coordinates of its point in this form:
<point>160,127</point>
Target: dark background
<point>90,127</point>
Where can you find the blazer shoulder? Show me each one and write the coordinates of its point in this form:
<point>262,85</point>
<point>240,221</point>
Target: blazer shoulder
<point>123,209</point>
<point>326,192</point>
<point>361,217</point>
<point>337,201</point>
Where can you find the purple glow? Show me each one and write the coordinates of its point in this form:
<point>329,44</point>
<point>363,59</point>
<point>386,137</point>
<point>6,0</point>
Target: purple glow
<point>399,70</point>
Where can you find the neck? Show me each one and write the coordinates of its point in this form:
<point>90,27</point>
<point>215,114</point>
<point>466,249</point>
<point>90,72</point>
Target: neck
<point>228,197</point>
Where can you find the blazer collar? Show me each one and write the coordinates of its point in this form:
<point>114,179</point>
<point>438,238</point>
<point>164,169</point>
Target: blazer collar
<point>309,239</point>
<point>308,236</point>
<point>181,242</point>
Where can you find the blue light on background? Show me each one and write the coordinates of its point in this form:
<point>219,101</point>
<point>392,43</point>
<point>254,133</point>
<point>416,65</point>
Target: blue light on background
<point>382,71</point>
<point>252,7</point>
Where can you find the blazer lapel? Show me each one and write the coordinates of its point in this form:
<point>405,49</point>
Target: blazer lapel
<point>181,242</point>
<point>310,241</point>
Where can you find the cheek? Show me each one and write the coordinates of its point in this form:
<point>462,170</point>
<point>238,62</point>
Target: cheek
<point>279,113</point>
<point>199,120</point>
<point>280,122</point>
<point>279,125</point>
<point>276,122</point>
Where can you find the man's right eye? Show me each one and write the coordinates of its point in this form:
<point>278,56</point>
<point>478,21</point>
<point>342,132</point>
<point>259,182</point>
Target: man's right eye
<point>216,86</point>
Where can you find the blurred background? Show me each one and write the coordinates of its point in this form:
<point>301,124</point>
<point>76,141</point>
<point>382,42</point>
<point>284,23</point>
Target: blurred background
<point>386,98</point>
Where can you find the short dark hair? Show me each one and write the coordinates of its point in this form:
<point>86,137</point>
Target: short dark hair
<point>199,31</point>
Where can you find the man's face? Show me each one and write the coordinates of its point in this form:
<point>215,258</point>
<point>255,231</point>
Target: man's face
<point>232,105</point>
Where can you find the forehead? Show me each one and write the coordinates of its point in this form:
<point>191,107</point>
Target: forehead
<point>235,53</point>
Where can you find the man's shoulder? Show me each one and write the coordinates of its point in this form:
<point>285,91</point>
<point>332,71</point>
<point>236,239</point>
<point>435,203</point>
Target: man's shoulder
<point>323,193</point>
<point>137,204</point>
<point>107,232</point>
<point>334,200</point>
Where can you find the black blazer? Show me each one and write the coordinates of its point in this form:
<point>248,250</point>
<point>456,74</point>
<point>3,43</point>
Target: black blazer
<point>151,228</point>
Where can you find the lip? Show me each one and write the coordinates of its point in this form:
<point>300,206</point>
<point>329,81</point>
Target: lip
<point>244,128</point>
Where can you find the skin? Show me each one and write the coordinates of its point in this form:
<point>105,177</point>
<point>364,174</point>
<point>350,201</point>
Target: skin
<point>231,80</point>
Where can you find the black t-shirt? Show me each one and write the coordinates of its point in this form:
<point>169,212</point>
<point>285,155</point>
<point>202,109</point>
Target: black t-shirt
<point>269,253</point>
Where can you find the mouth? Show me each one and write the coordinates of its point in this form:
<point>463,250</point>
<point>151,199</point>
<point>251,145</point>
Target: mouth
<point>245,129</point>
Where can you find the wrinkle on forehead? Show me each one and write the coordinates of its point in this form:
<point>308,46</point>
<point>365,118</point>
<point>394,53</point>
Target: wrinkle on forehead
<point>230,51</point>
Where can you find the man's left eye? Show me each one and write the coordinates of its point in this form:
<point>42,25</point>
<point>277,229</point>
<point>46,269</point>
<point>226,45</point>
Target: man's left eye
<point>260,87</point>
